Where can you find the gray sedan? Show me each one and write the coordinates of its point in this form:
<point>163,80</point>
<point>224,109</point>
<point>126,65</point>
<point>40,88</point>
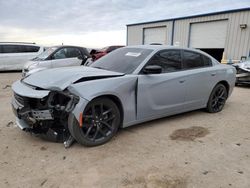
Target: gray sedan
<point>128,86</point>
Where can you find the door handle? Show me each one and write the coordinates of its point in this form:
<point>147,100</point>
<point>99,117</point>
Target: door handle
<point>213,74</point>
<point>182,81</point>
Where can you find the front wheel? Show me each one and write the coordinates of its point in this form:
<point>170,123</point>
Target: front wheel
<point>217,99</point>
<point>100,122</point>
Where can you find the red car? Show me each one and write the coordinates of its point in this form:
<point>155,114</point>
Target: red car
<point>96,54</point>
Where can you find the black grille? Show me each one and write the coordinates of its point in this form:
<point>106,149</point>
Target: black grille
<point>19,99</point>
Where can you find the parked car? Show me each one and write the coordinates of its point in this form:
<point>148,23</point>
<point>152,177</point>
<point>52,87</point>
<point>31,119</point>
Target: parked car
<point>243,72</point>
<point>96,54</point>
<point>13,55</point>
<point>57,56</point>
<point>128,86</point>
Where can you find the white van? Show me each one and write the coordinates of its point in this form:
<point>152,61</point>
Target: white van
<point>13,55</point>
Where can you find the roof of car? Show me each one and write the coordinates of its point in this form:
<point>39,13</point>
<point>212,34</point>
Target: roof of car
<point>19,43</point>
<point>162,47</point>
<point>63,46</point>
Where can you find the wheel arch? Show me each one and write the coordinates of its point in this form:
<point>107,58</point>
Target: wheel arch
<point>225,83</point>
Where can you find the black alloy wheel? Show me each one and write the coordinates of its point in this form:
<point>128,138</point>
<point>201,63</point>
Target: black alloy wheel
<point>217,99</point>
<point>100,121</point>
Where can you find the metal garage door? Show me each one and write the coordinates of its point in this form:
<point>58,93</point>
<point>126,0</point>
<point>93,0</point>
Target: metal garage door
<point>208,34</point>
<point>155,35</point>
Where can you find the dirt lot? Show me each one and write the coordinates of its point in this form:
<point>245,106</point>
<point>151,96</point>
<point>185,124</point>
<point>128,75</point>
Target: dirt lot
<point>193,150</point>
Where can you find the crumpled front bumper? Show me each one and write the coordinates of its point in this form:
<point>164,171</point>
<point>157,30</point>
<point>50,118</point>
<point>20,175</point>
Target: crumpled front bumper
<point>19,107</point>
<point>24,120</point>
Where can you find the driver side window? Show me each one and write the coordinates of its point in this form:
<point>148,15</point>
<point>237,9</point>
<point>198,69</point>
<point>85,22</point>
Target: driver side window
<point>66,53</point>
<point>60,54</point>
<point>169,60</point>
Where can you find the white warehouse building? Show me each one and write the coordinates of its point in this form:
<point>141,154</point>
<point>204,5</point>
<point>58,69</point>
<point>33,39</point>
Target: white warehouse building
<point>224,35</point>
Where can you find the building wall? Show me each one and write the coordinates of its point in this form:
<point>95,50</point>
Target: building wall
<point>135,33</point>
<point>237,40</point>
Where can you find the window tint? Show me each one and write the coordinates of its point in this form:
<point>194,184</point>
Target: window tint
<point>207,61</point>
<point>10,49</point>
<point>30,48</point>
<point>124,60</point>
<point>169,60</point>
<point>66,53</point>
<point>60,54</point>
<point>192,60</point>
<point>72,52</point>
<point>18,49</point>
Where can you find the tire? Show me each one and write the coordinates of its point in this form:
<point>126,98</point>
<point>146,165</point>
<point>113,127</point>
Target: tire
<point>101,120</point>
<point>217,99</point>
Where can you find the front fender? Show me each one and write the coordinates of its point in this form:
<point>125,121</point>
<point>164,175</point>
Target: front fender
<point>124,88</point>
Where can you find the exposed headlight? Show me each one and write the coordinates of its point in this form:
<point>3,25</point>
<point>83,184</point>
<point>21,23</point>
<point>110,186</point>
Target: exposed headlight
<point>33,66</point>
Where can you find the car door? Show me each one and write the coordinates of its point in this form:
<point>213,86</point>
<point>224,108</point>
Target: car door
<point>11,57</point>
<point>164,93</point>
<point>65,57</point>
<point>201,77</point>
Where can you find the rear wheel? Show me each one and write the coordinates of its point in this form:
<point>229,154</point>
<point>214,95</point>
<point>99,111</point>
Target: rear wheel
<point>101,119</point>
<point>217,99</point>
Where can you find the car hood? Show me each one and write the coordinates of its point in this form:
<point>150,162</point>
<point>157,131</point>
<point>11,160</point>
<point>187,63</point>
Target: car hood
<point>61,78</point>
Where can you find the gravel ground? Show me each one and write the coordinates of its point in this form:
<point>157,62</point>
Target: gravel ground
<point>190,150</point>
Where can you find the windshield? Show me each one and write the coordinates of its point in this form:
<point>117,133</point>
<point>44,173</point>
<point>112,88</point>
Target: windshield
<point>124,60</point>
<point>45,54</point>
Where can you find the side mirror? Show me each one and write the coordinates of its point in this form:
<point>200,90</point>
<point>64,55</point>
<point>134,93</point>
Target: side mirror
<point>152,69</point>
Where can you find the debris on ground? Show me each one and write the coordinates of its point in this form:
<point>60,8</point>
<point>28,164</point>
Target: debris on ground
<point>238,144</point>
<point>10,124</point>
<point>43,182</point>
<point>43,148</point>
<point>205,172</point>
<point>155,181</point>
<point>189,134</point>
<point>69,142</point>
<point>6,86</point>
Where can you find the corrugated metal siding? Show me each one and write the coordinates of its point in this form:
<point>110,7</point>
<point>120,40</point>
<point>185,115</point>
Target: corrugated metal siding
<point>237,42</point>
<point>135,33</point>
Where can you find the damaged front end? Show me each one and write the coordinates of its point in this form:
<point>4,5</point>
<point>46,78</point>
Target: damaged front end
<point>44,112</point>
<point>243,72</point>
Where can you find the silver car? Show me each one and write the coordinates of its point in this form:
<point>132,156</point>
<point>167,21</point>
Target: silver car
<point>128,86</point>
<point>56,56</point>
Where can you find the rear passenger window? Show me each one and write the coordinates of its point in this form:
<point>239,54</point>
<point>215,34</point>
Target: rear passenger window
<point>18,49</point>
<point>169,60</point>
<point>72,52</point>
<point>31,49</point>
<point>10,49</point>
<point>207,61</point>
<point>192,60</point>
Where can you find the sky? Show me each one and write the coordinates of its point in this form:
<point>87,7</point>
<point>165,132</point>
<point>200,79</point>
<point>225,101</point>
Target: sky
<point>92,23</point>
